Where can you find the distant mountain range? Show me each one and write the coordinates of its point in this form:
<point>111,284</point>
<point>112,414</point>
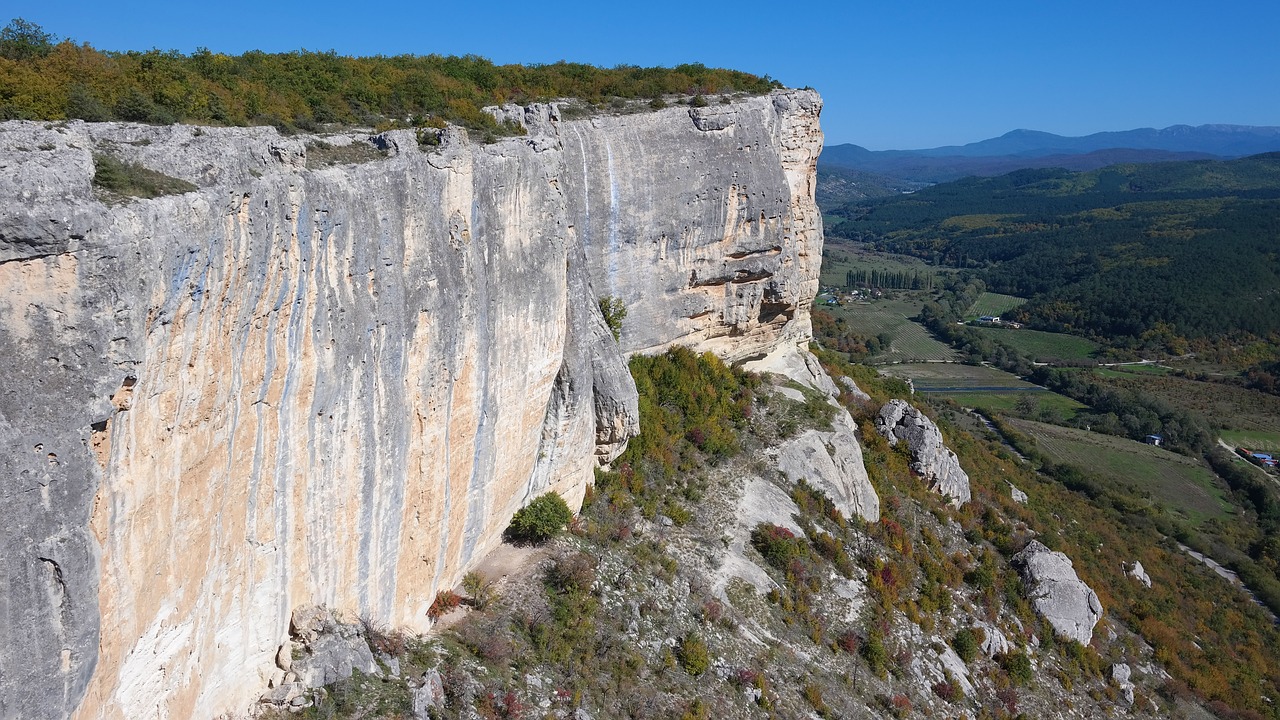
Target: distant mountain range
<point>1021,149</point>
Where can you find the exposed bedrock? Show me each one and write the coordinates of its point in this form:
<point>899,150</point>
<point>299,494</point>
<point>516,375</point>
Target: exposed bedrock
<point>930,457</point>
<point>334,386</point>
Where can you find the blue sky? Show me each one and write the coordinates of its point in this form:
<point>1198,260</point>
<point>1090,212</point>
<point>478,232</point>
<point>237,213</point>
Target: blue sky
<point>894,74</point>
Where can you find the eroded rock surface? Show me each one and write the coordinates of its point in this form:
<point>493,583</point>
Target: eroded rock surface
<point>832,462</point>
<point>334,386</point>
<point>1057,593</point>
<point>931,458</point>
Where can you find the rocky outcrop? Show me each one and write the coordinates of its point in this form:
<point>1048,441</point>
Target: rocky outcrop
<point>1053,588</point>
<point>327,650</point>
<point>829,460</point>
<point>334,386</point>
<point>1137,572</point>
<point>1120,674</point>
<point>1016,494</point>
<point>832,462</point>
<point>931,458</point>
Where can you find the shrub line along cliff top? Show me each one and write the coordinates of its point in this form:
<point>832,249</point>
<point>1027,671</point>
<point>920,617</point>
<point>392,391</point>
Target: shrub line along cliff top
<point>44,79</point>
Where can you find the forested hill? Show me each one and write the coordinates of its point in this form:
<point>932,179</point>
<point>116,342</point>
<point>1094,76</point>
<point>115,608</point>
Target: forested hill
<point>44,78</point>
<point>1131,254</point>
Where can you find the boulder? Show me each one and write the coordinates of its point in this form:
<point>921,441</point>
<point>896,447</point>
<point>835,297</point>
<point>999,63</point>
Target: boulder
<point>1057,593</point>
<point>332,650</point>
<point>1017,495</point>
<point>1120,674</point>
<point>1137,572</point>
<point>899,421</point>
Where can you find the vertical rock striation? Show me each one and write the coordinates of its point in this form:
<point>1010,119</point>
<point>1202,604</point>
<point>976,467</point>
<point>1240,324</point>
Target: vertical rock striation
<point>334,386</point>
<point>702,220</point>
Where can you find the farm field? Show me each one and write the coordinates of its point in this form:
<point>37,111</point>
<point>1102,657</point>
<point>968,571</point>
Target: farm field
<point>1060,407</point>
<point>932,377</point>
<point>1181,484</point>
<point>1043,346</point>
<point>983,388</point>
<point>1122,371</point>
<point>989,303</point>
<point>1253,439</point>
<point>1223,405</point>
<point>909,341</point>
<point>839,258</point>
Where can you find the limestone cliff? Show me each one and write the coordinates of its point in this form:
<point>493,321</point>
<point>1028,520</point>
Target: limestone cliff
<point>334,386</point>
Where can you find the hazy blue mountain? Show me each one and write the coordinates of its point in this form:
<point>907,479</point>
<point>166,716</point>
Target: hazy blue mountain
<point>1020,149</point>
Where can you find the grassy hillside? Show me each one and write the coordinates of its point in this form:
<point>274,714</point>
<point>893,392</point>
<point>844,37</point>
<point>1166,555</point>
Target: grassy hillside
<point>1181,484</point>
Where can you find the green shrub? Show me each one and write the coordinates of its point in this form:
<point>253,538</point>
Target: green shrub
<point>540,520</point>
<point>428,138</point>
<point>873,651</point>
<point>131,180</point>
<point>693,654</point>
<point>614,313</point>
<point>965,643</point>
<point>479,588</point>
<point>698,101</point>
<point>1018,665</point>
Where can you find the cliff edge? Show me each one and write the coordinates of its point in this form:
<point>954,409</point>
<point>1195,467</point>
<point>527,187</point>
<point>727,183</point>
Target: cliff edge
<point>308,384</point>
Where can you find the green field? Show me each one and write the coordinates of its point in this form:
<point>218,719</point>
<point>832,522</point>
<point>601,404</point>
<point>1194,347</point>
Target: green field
<point>1253,439</point>
<point>989,303</point>
<point>839,258</point>
<point>1180,484</point>
<point>1121,371</point>
<point>910,342</point>
<point>1060,407</point>
<point>1043,346</point>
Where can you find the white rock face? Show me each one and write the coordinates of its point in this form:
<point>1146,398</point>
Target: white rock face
<point>335,386</point>
<point>940,467</point>
<point>702,220</point>
<point>1120,674</point>
<point>1017,495</point>
<point>1057,593</point>
<point>1137,572</point>
<point>832,462</point>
